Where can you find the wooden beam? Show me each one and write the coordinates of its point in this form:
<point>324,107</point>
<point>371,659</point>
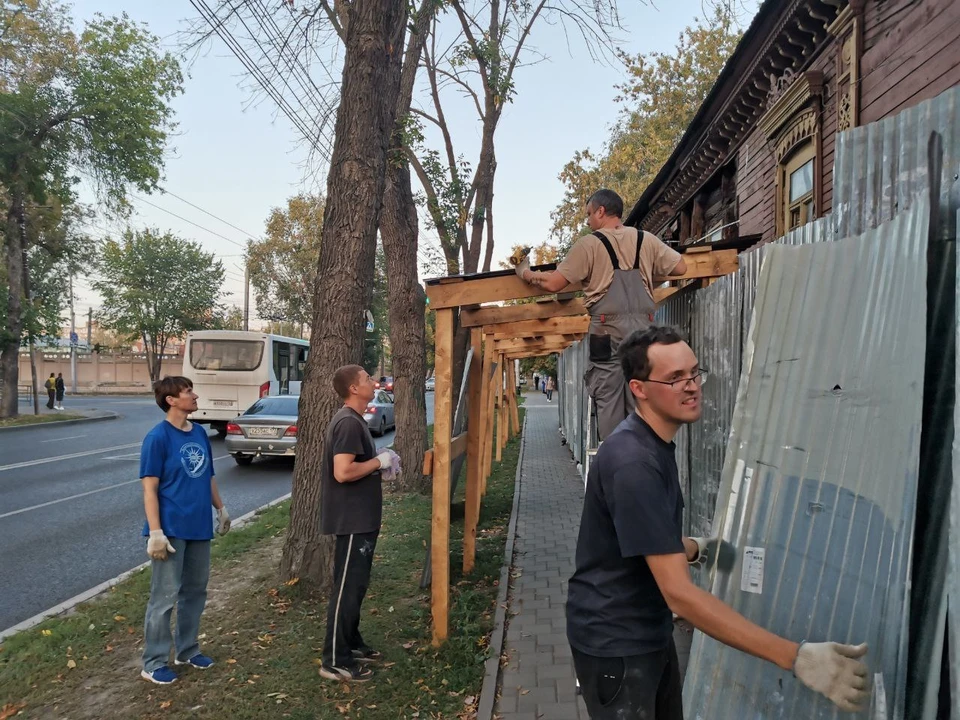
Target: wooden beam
<point>532,328</point>
<point>529,343</point>
<point>458,446</point>
<point>428,463</point>
<point>471,513</point>
<point>498,378</point>
<point>514,408</point>
<point>454,292</point>
<point>540,310</point>
<point>442,429</point>
<point>490,404</point>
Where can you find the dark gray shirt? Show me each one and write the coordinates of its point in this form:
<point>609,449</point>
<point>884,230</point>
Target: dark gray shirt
<point>353,507</point>
<point>632,508</point>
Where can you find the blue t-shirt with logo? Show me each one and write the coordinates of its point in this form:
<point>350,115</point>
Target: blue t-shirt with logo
<point>183,460</point>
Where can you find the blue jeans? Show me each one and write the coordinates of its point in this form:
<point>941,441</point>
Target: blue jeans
<point>179,580</point>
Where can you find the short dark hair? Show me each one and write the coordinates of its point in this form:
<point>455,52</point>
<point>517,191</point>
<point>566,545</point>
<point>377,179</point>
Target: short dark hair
<point>170,385</point>
<point>343,378</point>
<point>608,200</point>
<point>633,352</point>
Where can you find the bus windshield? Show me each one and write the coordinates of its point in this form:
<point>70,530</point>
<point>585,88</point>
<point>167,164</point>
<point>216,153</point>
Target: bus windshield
<point>226,354</point>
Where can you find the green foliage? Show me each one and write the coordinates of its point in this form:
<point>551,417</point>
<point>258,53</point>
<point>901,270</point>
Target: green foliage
<point>663,92</point>
<point>158,286</point>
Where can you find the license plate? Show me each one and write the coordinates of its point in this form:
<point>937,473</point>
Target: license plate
<point>223,403</point>
<point>261,432</point>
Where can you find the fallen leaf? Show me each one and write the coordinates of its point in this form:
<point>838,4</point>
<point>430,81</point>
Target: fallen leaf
<point>231,661</point>
<point>119,618</point>
<point>292,581</point>
<point>129,631</point>
<point>165,704</point>
<point>390,609</point>
<point>524,692</point>
<point>71,663</point>
<point>108,648</point>
<point>9,710</point>
<point>47,633</point>
<point>92,627</point>
<point>408,645</point>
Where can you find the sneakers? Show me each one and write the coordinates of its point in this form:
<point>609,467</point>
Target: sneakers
<point>161,676</point>
<point>199,661</point>
<point>357,673</point>
<point>367,655</point>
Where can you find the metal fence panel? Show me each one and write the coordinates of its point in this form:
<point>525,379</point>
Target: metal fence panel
<point>819,482</point>
<point>953,569</point>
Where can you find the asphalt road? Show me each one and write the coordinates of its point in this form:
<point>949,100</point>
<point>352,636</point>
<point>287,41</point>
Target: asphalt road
<point>71,506</point>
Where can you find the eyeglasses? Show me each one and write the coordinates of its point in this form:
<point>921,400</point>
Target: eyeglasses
<point>680,385</point>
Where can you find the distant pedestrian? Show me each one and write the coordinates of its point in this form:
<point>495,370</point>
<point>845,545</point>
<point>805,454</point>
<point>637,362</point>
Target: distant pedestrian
<point>536,380</point>
<point>550,387</point>
<point>351,507</point>
<point>51,386</point>
<point>176,469</point>
<point>61,389</point>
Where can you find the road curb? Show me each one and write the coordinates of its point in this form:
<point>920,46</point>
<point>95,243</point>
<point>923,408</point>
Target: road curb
<point>491,671</point>
<point>68,605</point>
<point>62,423</point>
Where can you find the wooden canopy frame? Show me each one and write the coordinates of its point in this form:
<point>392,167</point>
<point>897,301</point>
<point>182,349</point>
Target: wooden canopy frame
<point>500,334</point>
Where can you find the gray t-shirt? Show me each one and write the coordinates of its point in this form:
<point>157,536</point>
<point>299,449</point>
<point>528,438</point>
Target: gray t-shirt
<point>353,507</point>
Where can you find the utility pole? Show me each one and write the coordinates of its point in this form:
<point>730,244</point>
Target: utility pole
<point>246,295</point>
<point>89,328</point>
<point>73,342</point>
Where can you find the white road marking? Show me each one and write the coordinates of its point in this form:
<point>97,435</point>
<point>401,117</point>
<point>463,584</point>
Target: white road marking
<point>71,437</point>
<point>80,495</point>
<point>122,457</point>
<point>58,458</point>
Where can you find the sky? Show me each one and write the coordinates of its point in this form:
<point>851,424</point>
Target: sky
<point>238,160</point>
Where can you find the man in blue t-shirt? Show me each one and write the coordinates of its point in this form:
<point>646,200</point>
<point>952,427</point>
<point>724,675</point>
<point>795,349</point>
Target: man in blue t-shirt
<point>176,469</point>
<point>631,561</point>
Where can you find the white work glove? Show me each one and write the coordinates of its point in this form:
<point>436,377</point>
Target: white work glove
<point>385,459</point>
<point>522,267</point>
<point>715,550</point>
<point>392,470</point>
<point>158,545</point>
<point>223,521</point>
<point>834,671</point>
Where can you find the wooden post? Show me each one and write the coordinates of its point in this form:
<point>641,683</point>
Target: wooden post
<point>501,416</point>
<point>442,429</point>
<point>474,464</point>
<point>514,407</point>
<point>491,411</point>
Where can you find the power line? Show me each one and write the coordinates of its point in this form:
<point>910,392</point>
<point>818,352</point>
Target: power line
<point>207,212</point>
<point>180,217</point>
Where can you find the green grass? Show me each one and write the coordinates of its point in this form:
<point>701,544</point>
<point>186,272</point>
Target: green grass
<point>267,637</point>
<point>37,419</point>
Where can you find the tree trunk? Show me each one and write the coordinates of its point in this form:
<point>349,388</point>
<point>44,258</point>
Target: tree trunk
<point>34,381</point>
<point>10,352</point>
<point>345,270</point>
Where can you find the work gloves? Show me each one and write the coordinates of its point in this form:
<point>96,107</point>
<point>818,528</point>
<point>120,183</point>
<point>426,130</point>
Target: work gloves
<point>715,550</point>
<point>389,465</point>
<point>158,545</point>
<point>523,267</point>
<point>834,671</point>
<point>223,521</point>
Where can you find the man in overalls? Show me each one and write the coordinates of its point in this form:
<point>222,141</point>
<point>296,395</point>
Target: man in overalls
<point>616,265</point>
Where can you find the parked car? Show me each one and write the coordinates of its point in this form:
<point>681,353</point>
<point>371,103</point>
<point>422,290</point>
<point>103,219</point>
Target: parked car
<point>268,427</point>
<point>379,413</point>
<point>385,383</point>
<point>431,384</point>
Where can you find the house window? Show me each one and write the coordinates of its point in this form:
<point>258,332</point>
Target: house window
<point>798,184</point>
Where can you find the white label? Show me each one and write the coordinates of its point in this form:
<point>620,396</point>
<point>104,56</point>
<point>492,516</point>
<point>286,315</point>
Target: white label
<point>880,710</point>
<point>751,579</point>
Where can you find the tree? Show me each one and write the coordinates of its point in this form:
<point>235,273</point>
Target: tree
<point>663,93</point>
<point>283,264</point>
<point>157,286</point>
<point>373,32</point>
<point>98,103</point>
<point>232,318</point>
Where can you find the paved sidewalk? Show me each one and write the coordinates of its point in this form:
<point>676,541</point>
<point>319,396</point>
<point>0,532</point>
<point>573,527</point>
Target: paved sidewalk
<point>538,682</point>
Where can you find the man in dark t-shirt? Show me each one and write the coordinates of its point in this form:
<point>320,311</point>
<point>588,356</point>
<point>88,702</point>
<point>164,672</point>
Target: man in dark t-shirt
<point>351,506</point>
<point>631,562</point>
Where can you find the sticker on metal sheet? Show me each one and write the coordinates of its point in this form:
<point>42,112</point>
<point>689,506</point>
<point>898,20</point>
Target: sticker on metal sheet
<point>880,698</point>
<point>751,579</point>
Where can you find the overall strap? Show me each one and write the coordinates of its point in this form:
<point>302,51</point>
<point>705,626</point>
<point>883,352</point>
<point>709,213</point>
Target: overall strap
<point>636,260</point>
<point>606,243</point>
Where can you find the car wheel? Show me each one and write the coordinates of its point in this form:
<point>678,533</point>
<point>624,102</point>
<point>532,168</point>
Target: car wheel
<point>221,429</point>
<point>243,459</point>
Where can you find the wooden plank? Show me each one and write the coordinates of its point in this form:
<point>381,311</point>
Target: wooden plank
<point>540,310</point>
<point>514,407</point>
<point>499,375</point>
<point>481,289</point>
<point>662,294</point>
<point>440,526</point>
<point>491,414</point>
<point>471,515</point>
<point>428,463</point>
<point>458,446</point>
<point>531,343</point>
<point>532,328</point>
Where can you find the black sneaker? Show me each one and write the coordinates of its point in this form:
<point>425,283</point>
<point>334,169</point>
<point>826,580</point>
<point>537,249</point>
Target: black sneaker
<point>357,673</point>
<point>366,655</point>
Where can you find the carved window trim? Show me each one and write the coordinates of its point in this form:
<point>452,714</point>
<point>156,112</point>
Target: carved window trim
<point>848,30</point>
<point>801,135</point>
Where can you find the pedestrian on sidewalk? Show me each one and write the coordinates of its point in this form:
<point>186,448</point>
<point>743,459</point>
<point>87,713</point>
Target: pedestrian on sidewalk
<point>51,387</point>
<point>632,560</point>
<point>351,507</point>
<point>549,388</point>
<point>61,389</point>
<point>179,488</point>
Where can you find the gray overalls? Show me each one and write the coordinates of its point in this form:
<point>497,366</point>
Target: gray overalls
<point>625,307</point>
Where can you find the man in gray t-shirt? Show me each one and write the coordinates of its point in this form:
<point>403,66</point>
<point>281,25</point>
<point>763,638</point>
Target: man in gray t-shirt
<point>351,505</point>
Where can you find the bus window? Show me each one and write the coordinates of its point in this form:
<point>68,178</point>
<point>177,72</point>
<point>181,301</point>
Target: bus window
<point>226,354</point>
<point>281,366</point>
<point>301,367</point>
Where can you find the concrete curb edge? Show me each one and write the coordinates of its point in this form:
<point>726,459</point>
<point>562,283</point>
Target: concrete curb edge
<point>62,423</point>
<point>68,605</point>
<point>491,672</point>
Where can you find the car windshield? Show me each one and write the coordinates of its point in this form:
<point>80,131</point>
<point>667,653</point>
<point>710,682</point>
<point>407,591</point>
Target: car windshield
<point>226,354</point>
<point>275,405</point>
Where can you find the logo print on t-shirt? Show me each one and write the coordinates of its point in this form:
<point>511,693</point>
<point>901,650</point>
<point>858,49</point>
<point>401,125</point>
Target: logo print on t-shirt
<point>193,458</point>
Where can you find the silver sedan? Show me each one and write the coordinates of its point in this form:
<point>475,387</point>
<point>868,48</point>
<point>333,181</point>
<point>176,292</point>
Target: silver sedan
<point>379,413</point>
<point>268,427</point>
